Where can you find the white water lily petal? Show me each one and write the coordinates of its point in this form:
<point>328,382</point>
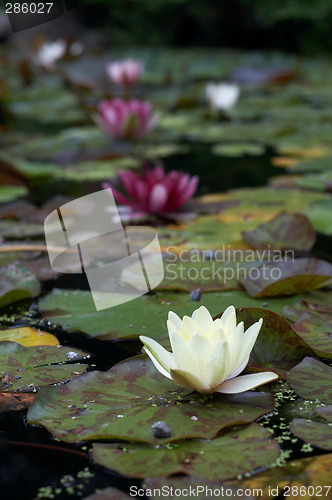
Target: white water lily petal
<point>248,340</point>
<point>217,366</point>
<point>238,370</point>
<point>174,320</point>
<point>164,358</point>
<point>156,364</point>
<point>228,319</point>
<point>202,318</point>
<point>189,380</point>
<point>200,349</point>
<point>246,382</point>
<point>182,355</point>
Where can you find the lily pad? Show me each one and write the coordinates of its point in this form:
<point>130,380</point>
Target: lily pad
<point>75,310</point>
<point>109,494</point>
<point>28,336</point>
<point>277,347</point>
<point>314,472</point>
<point>316,332</point>
<point>325,412</point>
<point>287,277</point>
<point>12,401</point>
<point>319,215</point>
<point>126,401</point>
<point>238,149</point>
<point>315,433</point>
<point>235,452</point>
<point>17,283</point>
<point>283,232</point>
<point>10,193</point>
<point>312,379</point>
<point>28,368</point>
<point>189,486</point>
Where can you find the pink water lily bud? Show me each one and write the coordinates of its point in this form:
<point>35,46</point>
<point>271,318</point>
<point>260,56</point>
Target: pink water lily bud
<point>126,72</point>
<point>154,191</point>
<point>126,119</point>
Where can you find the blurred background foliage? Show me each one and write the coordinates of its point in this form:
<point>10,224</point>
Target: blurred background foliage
<point>302,26</point>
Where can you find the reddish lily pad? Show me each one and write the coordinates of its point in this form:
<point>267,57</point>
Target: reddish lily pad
<point>287,277</point>
<point>315,433</point>
<point>286,231</point>
<point>10,401</point>
<point>109,494</point>
<point>312,379</point>
<point>278,348</point>
<point>235,452</point>
<point>28,368</point>
<point>325,412</point>
<point>126,401</point>
<point>17,283</point>
<point>316,332</point>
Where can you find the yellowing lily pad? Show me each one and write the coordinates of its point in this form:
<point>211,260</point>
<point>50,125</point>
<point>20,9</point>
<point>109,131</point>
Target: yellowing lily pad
<point>28,336</point>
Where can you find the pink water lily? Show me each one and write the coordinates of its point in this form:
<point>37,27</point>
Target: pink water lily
<point>126,119</point>
<point>154,191</point>
<point>125,72</point>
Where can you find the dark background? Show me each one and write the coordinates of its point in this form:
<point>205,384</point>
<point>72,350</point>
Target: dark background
<point>303,26</point>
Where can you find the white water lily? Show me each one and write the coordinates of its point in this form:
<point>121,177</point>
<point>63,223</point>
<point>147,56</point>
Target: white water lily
<point>49,53</point>
<point>222,95</point>
<point>208,355</point>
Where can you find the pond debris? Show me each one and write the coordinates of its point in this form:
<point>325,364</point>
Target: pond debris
<point>160,429</point>
<point>196,295</point>
<point>72,355</point>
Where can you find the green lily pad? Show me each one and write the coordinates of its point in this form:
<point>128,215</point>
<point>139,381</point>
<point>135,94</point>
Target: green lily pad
<point>283,232</point>
<point>28,368</point>
<point>319,215</point>
<point>316,165</point>
<point>315,433</point>
<point>312,379</point>
<point>10,193</point>
<point>316,332</point>
<point>188,274</point>
<point>17,283</point>
<point>15,229</point>
<point>146,315</point>
<point>238,149</point>
<point>236,452</point>
<point>126,401</point>
<point>277,347</point>
<point>287,277</point>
